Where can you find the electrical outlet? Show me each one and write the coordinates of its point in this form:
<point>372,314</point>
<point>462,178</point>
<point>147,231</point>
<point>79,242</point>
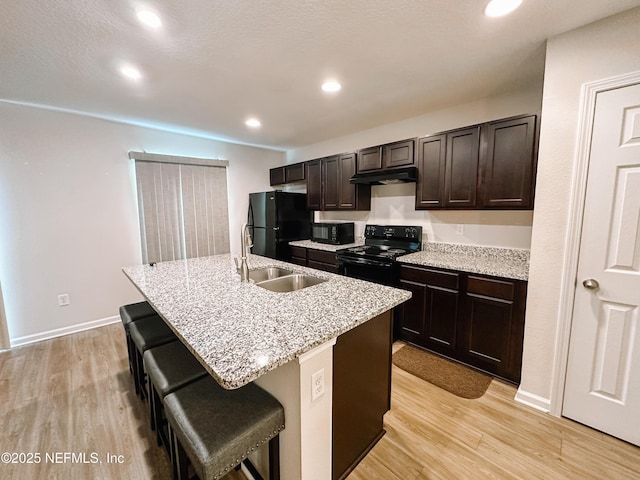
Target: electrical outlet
<point>317,384</point>
<point>63,300</point>
<point>459,229</point>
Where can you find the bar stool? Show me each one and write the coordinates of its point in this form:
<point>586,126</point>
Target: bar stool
<point>169,367</point>
<point>215,430</point>
<point>131,313</point>
<point>146,333</point>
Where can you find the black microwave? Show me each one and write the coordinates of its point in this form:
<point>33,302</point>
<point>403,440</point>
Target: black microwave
<point>335,233</point>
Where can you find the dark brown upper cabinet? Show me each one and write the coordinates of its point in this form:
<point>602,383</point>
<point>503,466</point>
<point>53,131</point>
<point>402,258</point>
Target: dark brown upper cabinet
<point>398,154</point>
<point>488,166</point>
<point>294,173</point>
<point>391,155</point>
<point>369,159</point>
<point>508,163</point>
<point>328,186</point>
<point>431,167</point>
<point>330,181</point>
<point>461,168</point>
<point>314,184</point>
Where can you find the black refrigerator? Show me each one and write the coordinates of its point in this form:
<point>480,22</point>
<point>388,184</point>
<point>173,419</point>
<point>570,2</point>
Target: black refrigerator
<point>275,218</point>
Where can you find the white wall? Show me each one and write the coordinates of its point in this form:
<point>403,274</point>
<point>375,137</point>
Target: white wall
<point>68,214</point>
<point>395,204</point>
<point>603,49</point>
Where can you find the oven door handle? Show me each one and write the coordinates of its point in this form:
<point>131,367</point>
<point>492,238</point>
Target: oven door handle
<point>364,261</point>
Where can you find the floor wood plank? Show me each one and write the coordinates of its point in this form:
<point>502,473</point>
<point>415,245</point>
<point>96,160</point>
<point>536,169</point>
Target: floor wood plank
<point>74,394</point>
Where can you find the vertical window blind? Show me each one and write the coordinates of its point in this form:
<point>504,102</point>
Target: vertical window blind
<point>183,206</point>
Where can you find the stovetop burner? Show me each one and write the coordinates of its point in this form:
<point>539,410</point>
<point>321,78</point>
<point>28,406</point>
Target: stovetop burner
<point>386,243</point>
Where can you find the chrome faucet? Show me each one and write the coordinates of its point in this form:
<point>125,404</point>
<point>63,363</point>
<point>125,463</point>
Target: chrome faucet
<point>245,240</point>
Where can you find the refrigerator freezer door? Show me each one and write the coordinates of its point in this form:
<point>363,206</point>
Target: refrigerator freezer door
<point>262,209</point>
<point>264,241</point>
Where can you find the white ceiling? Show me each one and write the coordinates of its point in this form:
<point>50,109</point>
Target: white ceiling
<point>216,62</point>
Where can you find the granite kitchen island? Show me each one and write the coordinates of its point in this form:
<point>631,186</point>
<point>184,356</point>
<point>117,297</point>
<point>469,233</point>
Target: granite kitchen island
<point>241,332</point>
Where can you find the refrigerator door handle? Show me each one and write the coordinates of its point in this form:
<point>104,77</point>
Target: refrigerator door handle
<point>250,214</point>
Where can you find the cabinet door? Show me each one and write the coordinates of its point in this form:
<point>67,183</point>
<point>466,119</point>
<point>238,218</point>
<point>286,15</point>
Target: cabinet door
<point>398,154</point>
<point>491,338</point>
<point>294,173</point>
<point>314,185</point>
<point>430,317</point>
<point>431,170</point>
<point>462,168</point>
<point>412,312</point>
<point>346,190</point>
<point>277,176</point>
<point>508,163</point>
<point>369,159</point>
<point>330,183</point>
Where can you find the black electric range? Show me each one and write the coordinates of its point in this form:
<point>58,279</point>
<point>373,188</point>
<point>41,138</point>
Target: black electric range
<point>375,260</point>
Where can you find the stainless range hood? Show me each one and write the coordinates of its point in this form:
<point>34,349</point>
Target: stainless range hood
<point>385,177</point>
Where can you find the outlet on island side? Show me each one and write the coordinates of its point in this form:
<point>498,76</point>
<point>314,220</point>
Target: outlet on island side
<point>459,229</point>
<point>63,300</point>
<point>317,384</point>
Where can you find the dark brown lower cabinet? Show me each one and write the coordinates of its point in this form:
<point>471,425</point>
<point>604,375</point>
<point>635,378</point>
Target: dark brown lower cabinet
<point>322,260</point>
<point>475,319</point>
<point>318,259</point>
<point>361,391</point>
<point>299,255</point>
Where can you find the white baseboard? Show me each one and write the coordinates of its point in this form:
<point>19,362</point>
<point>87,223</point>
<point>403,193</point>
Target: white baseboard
<point>534,401</point>
<point>58,332</point>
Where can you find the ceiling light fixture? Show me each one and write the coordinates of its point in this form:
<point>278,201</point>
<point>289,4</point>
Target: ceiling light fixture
<point>149,18</point>
<point>253,123</point>
<point>498,8</point>
<point>130,72</point>
<point>331,86</point>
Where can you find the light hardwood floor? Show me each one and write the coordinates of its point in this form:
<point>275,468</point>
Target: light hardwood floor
<point>74,394</point>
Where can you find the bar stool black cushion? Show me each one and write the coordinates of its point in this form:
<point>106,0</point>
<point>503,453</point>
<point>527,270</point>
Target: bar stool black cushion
<point>146,333</point>
<point>219,428</point>
<point>131,313</point>
<point>150,332</point>
<point>135,311</point>
<point>171,366</point>
<point>168,367</point>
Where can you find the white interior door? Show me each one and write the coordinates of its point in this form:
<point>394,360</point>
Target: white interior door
<point>602,387</point>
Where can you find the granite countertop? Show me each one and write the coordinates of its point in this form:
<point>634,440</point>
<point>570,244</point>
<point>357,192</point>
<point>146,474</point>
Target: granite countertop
<point>325,246</point>
<point>240,331</point>
<point>499,262</point>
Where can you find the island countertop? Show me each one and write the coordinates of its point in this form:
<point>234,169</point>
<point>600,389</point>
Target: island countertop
<point>240,331</point>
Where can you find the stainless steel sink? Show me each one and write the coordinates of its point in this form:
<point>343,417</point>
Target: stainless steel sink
<point>290,283</point>
<point>267,273</point>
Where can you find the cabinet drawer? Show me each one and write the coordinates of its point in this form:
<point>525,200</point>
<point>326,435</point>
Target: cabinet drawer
<point>428,276</point>
<point>299,252</point>
<point>489,287</point>
<point>322,257</point>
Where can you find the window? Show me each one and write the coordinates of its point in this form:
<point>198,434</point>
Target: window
<point>183,206</point>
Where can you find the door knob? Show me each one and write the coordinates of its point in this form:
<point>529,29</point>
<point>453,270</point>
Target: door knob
<point>591,284</point>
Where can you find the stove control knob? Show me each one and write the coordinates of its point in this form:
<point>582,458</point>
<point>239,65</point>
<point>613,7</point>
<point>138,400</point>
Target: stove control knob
<point>410,232</point>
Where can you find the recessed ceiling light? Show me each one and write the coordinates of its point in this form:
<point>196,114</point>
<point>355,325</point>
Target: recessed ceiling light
<point>253,123</point>
<point>331,86</point>
<point>498,8</point>
<point>149,18</point>
<point>130,72</point>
